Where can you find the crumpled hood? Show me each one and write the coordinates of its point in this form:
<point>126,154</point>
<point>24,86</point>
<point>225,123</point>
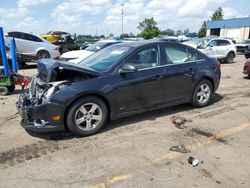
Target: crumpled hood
<point>48,68</point>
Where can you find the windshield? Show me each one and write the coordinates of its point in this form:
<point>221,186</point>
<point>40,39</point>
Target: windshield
<point>246,42</point>
<point>48,32</point>
<point>98,46</point>
<point>104,59</point>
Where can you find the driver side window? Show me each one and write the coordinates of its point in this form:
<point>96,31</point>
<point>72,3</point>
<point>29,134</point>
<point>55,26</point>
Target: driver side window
<point>145,58</point>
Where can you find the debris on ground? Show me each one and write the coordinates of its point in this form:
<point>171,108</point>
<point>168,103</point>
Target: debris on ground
<point>179,121</point>
<point>193,161</point>
<point>180,148</point>
<point>226,77</point>
<point>1,98</point>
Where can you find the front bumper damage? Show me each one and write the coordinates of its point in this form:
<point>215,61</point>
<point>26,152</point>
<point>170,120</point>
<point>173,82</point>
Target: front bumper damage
<point>39,118</point>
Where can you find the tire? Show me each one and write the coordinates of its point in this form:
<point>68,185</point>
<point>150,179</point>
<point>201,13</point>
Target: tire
<point>86,116</point>
<point>4,90</point>
<point>202,94</point>
<point>230,57</point>
<point>12,88</point>
<point>247,56</point>
<point>43,54</point>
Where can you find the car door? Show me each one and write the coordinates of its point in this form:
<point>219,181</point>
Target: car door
<point>213,49</point>
<point>18,40</point>
<point>30,44</point>
<point>224,47</point>
<point>181,66</point>
<point>143,88</point>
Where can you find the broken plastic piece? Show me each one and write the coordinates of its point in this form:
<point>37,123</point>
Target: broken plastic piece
<point>180,148</point>
<point>193,161</point>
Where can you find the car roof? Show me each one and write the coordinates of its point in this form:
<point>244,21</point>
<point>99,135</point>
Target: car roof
<point>143,43</point>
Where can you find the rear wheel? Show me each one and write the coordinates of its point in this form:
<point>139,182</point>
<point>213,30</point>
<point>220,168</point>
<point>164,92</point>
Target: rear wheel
<point>4,90</point>
<point>42,54</point>
<point>86,116</point>
<point>202,94</point>
<point>230,57</point>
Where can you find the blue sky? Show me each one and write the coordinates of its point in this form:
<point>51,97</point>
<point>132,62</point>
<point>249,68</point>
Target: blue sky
<point>104,16</point>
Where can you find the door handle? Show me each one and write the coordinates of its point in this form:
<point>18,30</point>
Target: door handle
<point>190,72</point>
<point>158,77</point>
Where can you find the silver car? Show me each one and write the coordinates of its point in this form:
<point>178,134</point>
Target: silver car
<point>32,47</point>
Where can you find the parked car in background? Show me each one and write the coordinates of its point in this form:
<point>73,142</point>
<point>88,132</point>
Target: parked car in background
<point>54,36</point>
<point>246,69</point>
<point>222,49</point>
<point>31,47</point>
<point>79,55</point>
<point>242,47</point>
<point>247,52</point>
<point>170,39</point>
<point>118,81</point>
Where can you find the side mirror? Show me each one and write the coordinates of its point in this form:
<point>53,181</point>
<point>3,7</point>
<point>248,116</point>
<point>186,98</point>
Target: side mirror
<point>200,47</point>
<point>127,68</point>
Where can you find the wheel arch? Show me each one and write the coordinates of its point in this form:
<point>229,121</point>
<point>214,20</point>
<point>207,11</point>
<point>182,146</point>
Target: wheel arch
<point>104,99</point>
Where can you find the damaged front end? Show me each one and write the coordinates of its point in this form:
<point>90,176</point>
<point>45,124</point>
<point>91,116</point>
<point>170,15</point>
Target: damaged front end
<point>38,110</point>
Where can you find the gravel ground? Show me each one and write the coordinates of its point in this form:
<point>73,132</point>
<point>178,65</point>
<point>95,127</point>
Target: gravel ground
<point>134,151</point>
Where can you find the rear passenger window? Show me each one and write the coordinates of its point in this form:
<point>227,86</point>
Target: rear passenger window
<point>177,54</point>
<point>29,37</point>
<point>223,43</point>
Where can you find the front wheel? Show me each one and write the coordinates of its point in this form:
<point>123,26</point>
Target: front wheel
<point>202,94</point>
<point>86,116</point>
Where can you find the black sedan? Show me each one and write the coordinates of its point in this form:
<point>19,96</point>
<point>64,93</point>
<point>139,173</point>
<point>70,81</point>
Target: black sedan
<point>118,81</point>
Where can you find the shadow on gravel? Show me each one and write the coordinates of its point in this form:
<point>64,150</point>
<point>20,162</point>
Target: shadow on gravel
<point>150,115</point>
<point>247,77</point>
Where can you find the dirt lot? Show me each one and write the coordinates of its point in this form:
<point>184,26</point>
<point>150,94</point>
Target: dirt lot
<point>134,152</point>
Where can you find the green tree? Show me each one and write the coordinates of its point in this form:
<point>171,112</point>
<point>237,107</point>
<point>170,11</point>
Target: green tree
<point>148,28</point>
<point>178,32</point>
<point>186,32</point>
<point>168,32</point>
<point>218,14</point>
<point>124,35</point>
<point>203,30</point>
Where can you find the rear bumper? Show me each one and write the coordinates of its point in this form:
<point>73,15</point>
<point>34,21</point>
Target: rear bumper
<point>39,118</point>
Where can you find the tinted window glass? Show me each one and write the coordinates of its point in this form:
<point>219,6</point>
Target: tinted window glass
<point>15,34</point>
<point>180,54</point>
<point>223,43</point>
<point>145,58</point>
<point>29,37</point>
<point>213,43</point>
<point>59,33</point>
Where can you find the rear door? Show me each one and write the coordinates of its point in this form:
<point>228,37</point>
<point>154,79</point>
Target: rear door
<point>30,44</point>
<point>182,64</point>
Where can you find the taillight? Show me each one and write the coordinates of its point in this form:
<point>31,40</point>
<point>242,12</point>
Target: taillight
<point>218,65</point>
<point>57,49</point>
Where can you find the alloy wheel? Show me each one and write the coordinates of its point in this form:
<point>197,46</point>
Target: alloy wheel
<point>203,93</point>
<point>88,116</point>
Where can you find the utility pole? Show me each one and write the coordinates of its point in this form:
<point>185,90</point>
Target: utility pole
<point>122,17</point>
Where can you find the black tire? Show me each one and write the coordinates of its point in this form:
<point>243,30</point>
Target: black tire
<point>75,114</point>
<point>196,100</point>
<point>4,90</point>
<point>247,56</point>
<point>230,57</point>
<point>42,54</point>
<point>12,88</point>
